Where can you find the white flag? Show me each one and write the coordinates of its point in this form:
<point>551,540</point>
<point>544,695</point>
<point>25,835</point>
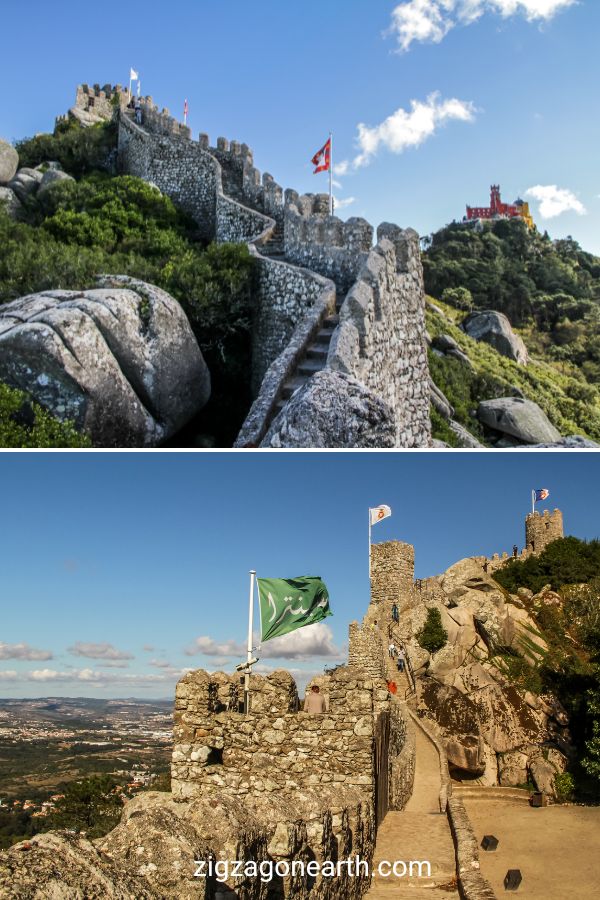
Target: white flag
<point>379,513</point>
<point>133,75</point>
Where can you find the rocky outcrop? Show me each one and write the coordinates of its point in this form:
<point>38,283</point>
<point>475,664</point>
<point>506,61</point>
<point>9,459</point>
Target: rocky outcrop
<point>9,162</point>
<point>120,361</point>
<point>62,866</point>
<point>572,442</point>
<point>495,329</point>
<point>492,730</point>
<point>518,419</point>
<point>464,437</point>
<point>11,201</point>
<point>50,178</point>
<point>333,410</point>
<point>25,183</point>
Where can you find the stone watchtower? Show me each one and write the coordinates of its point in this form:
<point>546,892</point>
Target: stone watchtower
<point>541,530</point>
<point>392,578</point>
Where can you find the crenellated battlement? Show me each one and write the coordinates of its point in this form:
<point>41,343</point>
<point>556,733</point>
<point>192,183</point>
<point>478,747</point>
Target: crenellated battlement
<point>324,243</point>
<point>540,530</point>
<point>303,256</point>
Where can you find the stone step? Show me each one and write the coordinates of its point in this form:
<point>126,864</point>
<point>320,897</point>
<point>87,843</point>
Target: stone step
<point>324,335</point>
<point>292,385</point>
<point>308,367</point>
<point>318,351</point>
<point>331,322</point>
<point>497,794</point>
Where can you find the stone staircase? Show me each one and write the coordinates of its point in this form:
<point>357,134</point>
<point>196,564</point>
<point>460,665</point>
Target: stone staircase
<point>274,248</point>
<point>472,792</point>
<point>313,360</point>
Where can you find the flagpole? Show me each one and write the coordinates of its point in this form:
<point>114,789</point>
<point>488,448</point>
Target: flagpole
<point>248,669</point>
<point>369,545</point>
<point>330,173</point>
<point>533,503</point>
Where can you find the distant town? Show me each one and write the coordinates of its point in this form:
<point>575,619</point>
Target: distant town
<point>49,742</point>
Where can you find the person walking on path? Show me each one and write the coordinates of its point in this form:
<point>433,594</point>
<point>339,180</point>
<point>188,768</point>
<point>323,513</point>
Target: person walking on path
<point>392,650</point>
<point>395,615</point>
<point>401,659</point>
<point>315,701</point>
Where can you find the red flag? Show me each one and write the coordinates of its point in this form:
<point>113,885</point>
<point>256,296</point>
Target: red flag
<point>322,159</point>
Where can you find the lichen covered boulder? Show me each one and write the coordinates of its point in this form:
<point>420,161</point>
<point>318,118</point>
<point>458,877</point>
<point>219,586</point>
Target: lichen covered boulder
<point>516,418</point>
<point>120,362</point>
<point>495,329</point>
<point>9,162</point>
<point>333,410</point>
<point>62,866</point>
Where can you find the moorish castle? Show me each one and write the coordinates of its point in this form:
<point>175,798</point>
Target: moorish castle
<point>379,775</point>
<point>335,316</point>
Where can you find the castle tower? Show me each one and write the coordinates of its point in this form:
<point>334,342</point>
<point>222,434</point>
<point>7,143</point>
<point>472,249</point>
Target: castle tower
<point>392,570</point>
<point>495,201</point>
<point>541,530</point>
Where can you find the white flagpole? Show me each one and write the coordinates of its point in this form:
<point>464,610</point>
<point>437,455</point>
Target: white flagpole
<point>130,83</point>
<point>248,670</point>
<point>369,545</point>
<point>331,180</point>
<point>533,503</point>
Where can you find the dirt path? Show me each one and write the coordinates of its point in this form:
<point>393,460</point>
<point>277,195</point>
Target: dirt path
<point>420,832</point>
<point>556,848</point>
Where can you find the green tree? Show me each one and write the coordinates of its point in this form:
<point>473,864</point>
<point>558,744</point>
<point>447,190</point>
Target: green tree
<point>433,635</point>
<point>91,805</point>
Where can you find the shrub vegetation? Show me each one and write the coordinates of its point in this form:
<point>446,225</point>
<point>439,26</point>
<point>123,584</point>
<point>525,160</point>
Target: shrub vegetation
<point>433,635</point>
<point>122,225</point>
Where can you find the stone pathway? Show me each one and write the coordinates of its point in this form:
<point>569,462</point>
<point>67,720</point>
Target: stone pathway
<point>419,832</point>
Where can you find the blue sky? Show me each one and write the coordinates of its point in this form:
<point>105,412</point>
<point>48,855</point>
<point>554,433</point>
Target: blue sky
<point>512,88</point>
<point>113,565</point>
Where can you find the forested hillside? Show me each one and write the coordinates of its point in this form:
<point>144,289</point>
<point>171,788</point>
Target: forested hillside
<point>549,290</point>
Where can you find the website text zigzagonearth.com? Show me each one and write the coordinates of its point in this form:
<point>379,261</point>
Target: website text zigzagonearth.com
<point>223,870</point>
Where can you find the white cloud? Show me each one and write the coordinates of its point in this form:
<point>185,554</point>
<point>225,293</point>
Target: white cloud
<point>340,169</point>
<point>22,651</point>
<point>555,201</point>
<point>343,203</point>
<point>160,664</point>
<point>98,651</point>
<point>148,648</point>
<point>208,647</point>
<point>431,20</point>
<point>404,129</point>
<point>8,675</point>
<point>96,678</point>
<point>304,643</point>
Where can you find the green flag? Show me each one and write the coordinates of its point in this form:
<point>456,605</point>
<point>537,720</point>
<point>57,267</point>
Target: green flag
<point>290,603</point>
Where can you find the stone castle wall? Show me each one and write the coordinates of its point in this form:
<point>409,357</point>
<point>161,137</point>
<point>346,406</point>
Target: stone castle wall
<point>99,100</point>
<point>274,748</point>
<point>323,243</point>
<point>381,336</point>
<point>177,166</point>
